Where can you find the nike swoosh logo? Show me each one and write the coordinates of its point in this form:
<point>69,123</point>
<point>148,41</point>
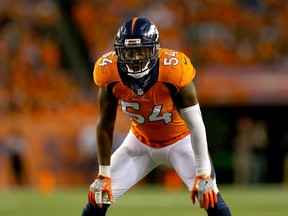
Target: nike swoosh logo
<point>185,61</point>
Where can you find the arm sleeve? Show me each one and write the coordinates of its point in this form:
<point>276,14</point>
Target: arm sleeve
<point>193,119</point>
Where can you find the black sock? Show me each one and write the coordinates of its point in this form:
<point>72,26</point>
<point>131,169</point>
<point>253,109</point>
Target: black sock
<point>220,208</point>
<point>91,210</point>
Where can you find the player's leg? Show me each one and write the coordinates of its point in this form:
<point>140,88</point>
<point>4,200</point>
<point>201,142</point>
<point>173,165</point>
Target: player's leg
<point>220,208</point>
<point>181,157</point>
<point>90,210</point>
<point>129,164</point>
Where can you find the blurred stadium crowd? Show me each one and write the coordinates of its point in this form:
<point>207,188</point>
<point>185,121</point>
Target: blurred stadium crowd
<point>233,32</point>
<point>40,90</point>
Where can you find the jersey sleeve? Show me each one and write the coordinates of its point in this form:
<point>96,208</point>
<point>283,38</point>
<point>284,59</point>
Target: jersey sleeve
<point>99,79</point>
<point>105,70</point>
<point>176,68</point>
<point>188,71</point>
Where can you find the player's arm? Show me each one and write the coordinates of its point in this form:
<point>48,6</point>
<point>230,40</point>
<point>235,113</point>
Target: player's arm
<point>189,109</point>
<point>186,96</point>
<point>107,104</point>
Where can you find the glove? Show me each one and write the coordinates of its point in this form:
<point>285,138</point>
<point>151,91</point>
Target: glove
<point>100,191</point>
<point>204,189</point>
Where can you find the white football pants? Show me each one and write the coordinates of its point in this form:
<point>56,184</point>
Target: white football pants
<point>133,160</point>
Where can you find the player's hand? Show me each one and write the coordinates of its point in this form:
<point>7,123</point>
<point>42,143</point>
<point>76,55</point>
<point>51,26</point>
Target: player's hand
<point>101,185</point>
<point>204,190</point>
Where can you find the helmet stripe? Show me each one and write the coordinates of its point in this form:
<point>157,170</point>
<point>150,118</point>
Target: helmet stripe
<point>133,24</point>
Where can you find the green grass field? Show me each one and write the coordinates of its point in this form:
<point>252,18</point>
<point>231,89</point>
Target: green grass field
<point>265,200</point>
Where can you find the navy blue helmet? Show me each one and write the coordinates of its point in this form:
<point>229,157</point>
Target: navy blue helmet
<point>136,46</point>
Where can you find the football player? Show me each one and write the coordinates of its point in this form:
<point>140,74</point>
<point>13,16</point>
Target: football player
<point>154,86</point>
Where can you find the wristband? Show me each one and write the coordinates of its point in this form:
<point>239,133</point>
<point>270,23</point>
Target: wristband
<point>104,170</point>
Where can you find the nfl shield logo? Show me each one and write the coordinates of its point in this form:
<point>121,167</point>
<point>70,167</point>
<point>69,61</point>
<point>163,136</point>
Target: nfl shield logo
<point>140,91</point>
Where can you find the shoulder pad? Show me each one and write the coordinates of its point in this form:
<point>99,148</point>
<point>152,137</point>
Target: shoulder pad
<point>105,70</point>
<point>175,68</point>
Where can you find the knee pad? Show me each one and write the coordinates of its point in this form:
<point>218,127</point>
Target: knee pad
<point>91,210</point>
<point>220,208</point>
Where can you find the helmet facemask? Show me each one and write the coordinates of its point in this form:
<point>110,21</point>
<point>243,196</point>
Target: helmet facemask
<point>138,59</point>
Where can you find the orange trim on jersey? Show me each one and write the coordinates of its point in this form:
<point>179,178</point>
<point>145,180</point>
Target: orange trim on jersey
<point>133,24</point>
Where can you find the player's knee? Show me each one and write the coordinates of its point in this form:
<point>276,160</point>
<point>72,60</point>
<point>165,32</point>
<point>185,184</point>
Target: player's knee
<point>220,208</point>
<point>91,210</point>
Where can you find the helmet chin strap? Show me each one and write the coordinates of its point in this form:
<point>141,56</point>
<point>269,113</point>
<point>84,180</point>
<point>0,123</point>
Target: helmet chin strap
<point>138,74</point>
